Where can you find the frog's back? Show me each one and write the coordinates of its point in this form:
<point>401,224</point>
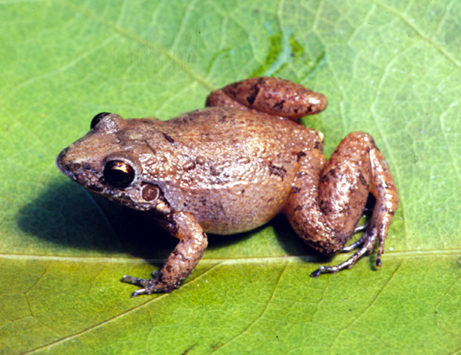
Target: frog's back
<point>232,169</point>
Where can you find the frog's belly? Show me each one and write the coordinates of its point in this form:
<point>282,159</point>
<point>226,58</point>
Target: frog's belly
<point>234,209</point>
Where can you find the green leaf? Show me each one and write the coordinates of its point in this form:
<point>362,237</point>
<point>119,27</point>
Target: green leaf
<point>389,68</point>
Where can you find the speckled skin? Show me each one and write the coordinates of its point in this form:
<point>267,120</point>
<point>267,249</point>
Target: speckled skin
<point>235,165</point>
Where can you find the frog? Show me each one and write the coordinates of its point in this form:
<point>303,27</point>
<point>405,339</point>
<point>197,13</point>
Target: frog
<point>232,167</point>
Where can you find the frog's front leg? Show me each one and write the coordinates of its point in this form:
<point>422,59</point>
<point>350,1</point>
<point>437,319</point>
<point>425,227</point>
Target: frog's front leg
<point>274,96</point>
<point>192,244</point>
<point>327,201</point>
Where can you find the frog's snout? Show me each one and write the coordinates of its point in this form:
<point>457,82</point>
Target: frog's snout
<point>67,165</point>
<point>61,164</point>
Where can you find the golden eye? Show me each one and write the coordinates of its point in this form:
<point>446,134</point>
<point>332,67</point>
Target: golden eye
<point>118,173</point>
<point>96,119</point>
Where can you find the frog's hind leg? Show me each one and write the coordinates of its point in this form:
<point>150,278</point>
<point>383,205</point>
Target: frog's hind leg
<point>273,96</point>
<point>326,203</point>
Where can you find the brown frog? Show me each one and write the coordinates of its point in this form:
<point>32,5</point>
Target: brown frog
<point>232,167</point>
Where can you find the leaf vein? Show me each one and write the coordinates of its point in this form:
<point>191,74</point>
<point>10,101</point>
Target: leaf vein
<point>109,320</point>
<point>257,318</point>
<point>427,39</point>
<point>182,65</point>
<point>381,290</point>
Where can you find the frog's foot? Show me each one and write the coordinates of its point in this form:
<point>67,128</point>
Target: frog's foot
<point>376,233</point>
<point>149,285</point>
<point>192,243</point>
<point>368,240</point>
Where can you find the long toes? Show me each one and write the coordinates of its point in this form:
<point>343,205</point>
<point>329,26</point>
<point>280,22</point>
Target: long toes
<point>131,280</point>
<point>136,293</point>
<point>369,242</point>
<point>143,291</point>
<point>318,272</point>
<point>382,236</point>
<point>354,245</point>
<point>361,228</point>
<point>138,282</point>
<point>327,270</point>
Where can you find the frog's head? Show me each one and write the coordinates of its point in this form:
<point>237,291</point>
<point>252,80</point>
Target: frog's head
<point>107,162</point>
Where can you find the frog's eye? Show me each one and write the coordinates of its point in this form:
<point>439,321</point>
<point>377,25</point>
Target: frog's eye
<point>96,119</point>
<point>118,173</point>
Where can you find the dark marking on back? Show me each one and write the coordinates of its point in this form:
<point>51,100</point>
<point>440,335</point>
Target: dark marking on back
<point>277,170</point>
<point>168,138</point>
<point>150,147</point>
<point>300,155</point>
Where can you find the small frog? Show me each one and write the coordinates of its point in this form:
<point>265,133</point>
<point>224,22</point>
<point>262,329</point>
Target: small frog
<point>232,167</point>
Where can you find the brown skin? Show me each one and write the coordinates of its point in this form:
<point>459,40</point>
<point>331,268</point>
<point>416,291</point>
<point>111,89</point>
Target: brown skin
<point>232,167</point>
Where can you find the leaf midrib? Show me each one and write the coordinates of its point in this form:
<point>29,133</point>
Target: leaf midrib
<point>230,261</point>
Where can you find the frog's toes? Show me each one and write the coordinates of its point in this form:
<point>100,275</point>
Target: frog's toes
<point>319,271</point>
<point>354,245</point>
<point>138,282</point>
<point>361,228</point>
<point>368,242</point>
<point>142,291</point>
<point>149,285</point>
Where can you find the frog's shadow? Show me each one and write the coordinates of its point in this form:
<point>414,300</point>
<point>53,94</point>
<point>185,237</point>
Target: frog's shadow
<point>65,217</point>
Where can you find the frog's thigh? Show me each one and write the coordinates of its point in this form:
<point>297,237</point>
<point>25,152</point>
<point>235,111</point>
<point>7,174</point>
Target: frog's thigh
<point>326,204</point>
